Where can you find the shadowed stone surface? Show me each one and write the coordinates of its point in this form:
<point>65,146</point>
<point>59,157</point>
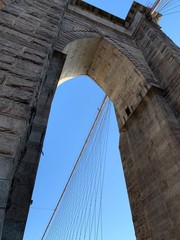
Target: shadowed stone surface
<point>47,42</point>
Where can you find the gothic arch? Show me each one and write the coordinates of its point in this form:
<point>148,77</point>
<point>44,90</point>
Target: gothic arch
<point>123,44</point>
<point>140,110</point>
<point>33,36</point>
<point>111,69</point>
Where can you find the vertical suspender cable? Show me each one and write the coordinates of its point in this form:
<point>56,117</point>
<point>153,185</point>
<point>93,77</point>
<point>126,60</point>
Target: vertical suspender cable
<point>78,159</point>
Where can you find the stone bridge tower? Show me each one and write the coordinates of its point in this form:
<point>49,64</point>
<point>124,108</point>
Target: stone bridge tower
<point>49,41</point>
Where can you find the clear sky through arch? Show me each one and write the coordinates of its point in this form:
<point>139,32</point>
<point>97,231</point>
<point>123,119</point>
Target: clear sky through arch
<point>74,109</point>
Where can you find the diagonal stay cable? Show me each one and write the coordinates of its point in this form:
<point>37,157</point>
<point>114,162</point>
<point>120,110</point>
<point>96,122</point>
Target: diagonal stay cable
<point>78,159</point>
<point>97,162</point>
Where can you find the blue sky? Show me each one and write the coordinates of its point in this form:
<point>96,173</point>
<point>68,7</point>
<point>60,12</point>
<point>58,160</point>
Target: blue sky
<point>73,111</point>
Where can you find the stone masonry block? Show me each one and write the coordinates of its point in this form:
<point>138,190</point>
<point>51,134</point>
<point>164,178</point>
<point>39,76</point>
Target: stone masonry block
<point>8,144</point>
<point>33,153</point>
<point>13,229</point>
<point>13,108</point>
<point>6,167</point>
<point>20,83</point>
<point>4,191</point>
<point>16,95</point>
<point>21,194</point>
<point>17,211</point>
<point>26,173</point>
<point>11,125</point>
<point>2,214</point>
<point>12,49</point>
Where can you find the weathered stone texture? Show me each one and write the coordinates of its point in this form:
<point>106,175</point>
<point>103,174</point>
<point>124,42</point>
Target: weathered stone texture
<point>4,187</point>
<point>163,57</point>
<point>152,168</point>
<point>13,229</point>
<point>133,62</point>
<point>25,172</point>
<point>6,167</point>
<point>28,30</point>
<point>2,4</point>
<point>75,29</point>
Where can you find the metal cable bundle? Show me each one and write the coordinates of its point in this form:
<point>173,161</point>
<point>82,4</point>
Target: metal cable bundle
<point>78,214</point>
<point>166,7</point>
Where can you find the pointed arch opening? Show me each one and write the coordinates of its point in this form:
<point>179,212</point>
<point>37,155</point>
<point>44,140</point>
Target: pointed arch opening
<point>73,111</point>
<point>112,71</point>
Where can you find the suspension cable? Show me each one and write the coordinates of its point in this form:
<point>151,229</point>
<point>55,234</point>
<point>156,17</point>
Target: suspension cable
<point>76,164</point>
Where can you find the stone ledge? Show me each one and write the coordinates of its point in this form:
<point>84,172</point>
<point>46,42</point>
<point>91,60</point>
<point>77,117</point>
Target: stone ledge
<point>136,7</point>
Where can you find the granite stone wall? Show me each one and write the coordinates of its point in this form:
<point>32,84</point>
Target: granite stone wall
<point>43,42</point>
